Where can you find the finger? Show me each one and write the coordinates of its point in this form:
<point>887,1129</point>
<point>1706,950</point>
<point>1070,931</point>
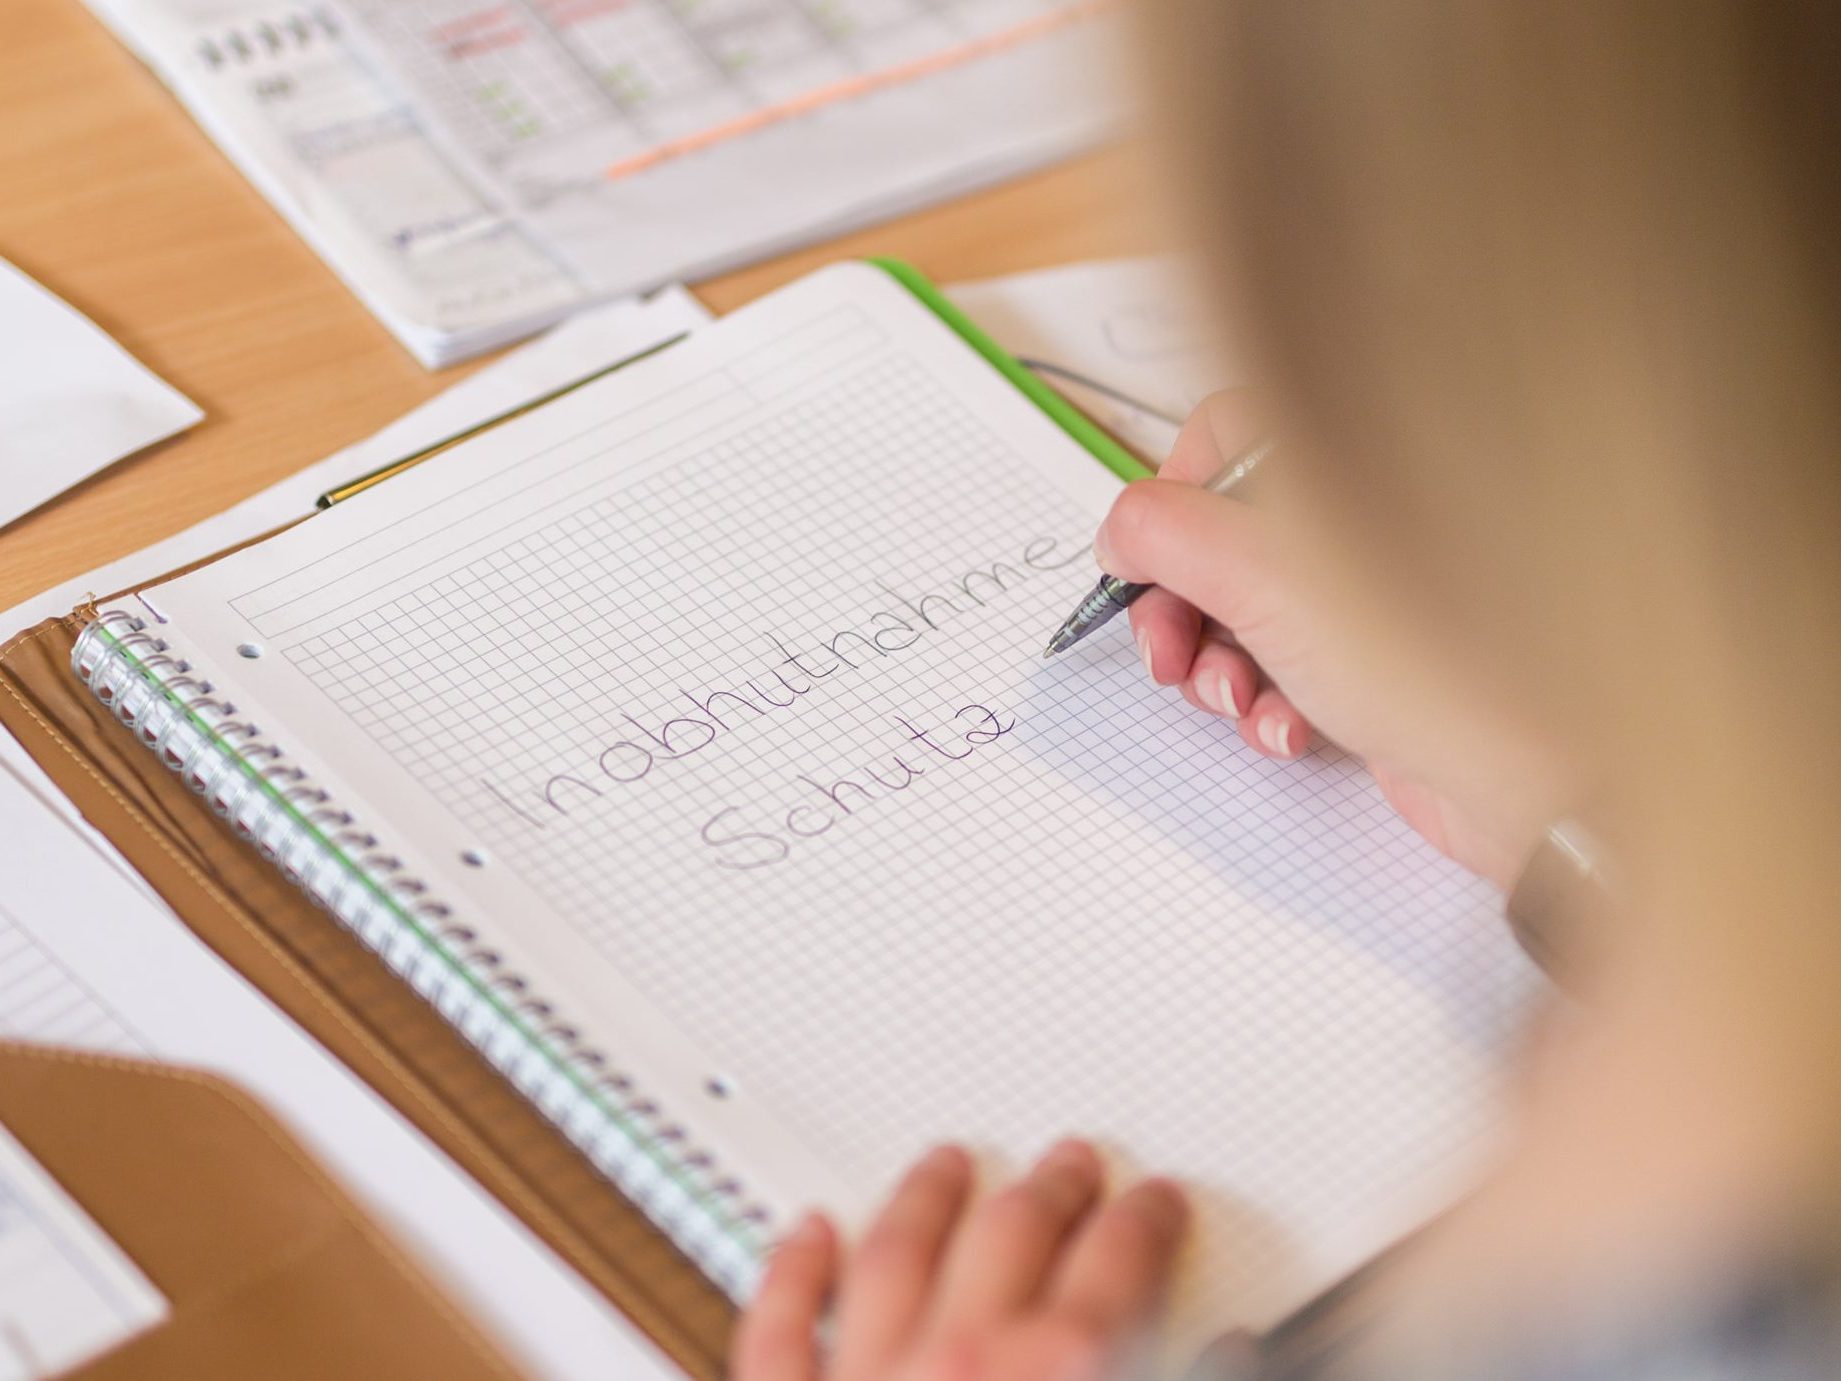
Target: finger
<point>1495,852</point>
<point>1166,629</point>
<point>1274,726</point>
<point>1001,1260</point>
<point>1047,1349</point>
<point>1222,679</point>
<point>778,1336</point>
<point>1115,1274</point>
<point>1417,804</point>
<point>1208,549</point>
<point>891,1275</point>
<point>1222,426</point>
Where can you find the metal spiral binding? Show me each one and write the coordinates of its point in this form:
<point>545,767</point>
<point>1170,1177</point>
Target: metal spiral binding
<point>347,871</point>
<point>266,37</point>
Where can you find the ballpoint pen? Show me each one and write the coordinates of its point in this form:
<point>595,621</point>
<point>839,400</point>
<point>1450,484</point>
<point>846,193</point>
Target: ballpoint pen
<point>1113,596</point>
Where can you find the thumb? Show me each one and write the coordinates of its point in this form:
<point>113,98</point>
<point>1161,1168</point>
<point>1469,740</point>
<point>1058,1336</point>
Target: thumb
<point>1223,424</point>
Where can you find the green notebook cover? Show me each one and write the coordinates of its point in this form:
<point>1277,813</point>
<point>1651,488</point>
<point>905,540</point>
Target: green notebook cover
<point>1063,413</point>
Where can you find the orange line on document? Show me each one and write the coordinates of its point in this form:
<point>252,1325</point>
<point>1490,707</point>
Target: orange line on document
<point>850,87</point>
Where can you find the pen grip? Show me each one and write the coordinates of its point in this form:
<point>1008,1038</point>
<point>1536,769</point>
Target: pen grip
<point>1122,592</point>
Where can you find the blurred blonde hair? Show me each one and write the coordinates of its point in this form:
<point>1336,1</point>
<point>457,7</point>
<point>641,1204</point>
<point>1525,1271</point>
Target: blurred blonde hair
<point>1547,300</point>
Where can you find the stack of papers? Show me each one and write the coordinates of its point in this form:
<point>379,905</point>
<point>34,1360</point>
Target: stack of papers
<point>353,167</point>
<point>475,170</point>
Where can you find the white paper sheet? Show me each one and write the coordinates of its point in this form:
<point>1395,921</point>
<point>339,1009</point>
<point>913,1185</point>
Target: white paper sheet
<point>72,401</point>
<point>88,960</point>
<point>1123,339</point>
<point>726,674</point>
<point>67,1292</point>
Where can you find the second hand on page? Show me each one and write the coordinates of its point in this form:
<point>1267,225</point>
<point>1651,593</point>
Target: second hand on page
<point>1112,596</point>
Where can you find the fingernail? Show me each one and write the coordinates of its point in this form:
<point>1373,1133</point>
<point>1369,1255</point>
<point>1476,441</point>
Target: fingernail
<point>1208,691</point>
<point>1102,552</point>
<point>1275,733</point>
<point>1217,692</point>
<point>1144,651</point>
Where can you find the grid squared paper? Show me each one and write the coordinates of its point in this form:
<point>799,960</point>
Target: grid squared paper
<point>41,1000</point>
<point>1114,919</point>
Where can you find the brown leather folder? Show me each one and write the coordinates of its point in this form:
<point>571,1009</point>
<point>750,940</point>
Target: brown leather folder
<point>325,979</point>
<point>268,1269</point>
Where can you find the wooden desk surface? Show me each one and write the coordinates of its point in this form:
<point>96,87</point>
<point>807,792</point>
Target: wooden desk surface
<point>114,199</point>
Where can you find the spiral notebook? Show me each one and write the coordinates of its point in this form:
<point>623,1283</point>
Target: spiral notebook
<point>687,745</point>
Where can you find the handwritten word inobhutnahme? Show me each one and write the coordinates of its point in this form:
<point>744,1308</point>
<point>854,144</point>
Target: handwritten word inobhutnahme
<point>793,675</point>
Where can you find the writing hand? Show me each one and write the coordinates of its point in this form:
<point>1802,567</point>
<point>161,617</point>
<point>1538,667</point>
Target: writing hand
<point>1231,625</point>
<point>1042,1281</point>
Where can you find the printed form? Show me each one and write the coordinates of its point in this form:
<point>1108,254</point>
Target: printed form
<point>654,137</point>
<point>477,169</point>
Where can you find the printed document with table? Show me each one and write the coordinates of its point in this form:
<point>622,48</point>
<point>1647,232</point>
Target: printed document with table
<point>475,170</point>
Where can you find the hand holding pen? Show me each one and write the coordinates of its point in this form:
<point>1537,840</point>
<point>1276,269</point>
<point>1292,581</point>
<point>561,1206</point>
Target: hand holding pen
<point>1226,618</point>
<point>1176,546</point>
<point>1113,596</point>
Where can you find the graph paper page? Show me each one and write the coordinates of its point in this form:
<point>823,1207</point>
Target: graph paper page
<point>727,675</point>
